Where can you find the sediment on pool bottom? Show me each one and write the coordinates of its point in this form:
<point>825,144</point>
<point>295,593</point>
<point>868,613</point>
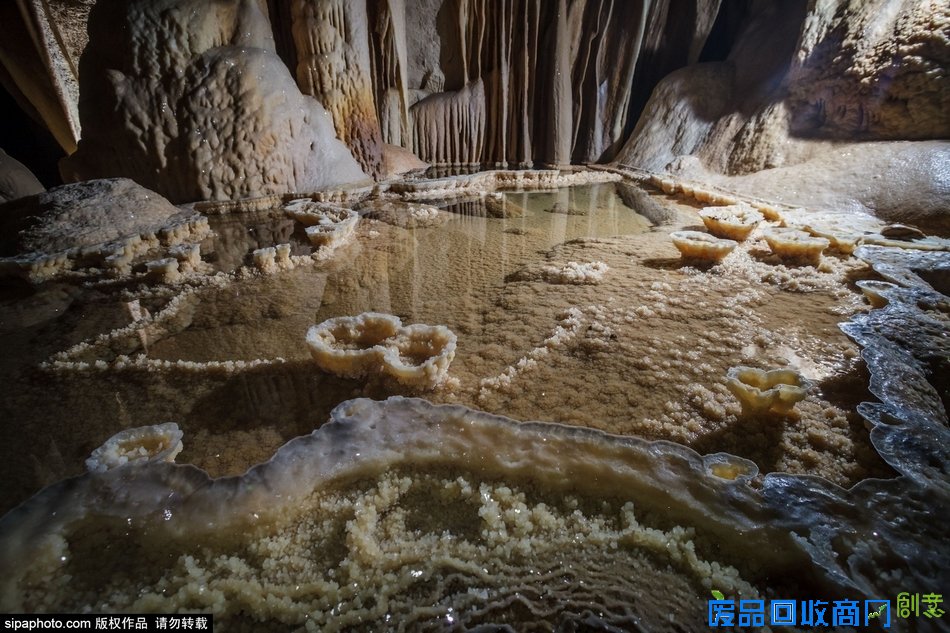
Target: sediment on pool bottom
<point>232,533</point>
<point>649,333</point>
<point>336,530</point>
<point>373,553</point>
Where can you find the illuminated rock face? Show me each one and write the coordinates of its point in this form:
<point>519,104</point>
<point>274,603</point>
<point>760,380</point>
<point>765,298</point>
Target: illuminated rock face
<point>333,66</point>
<point>836,70</point>
<point>886,79</point>
<point>90,213</point>
<point>189,99</point>
<point>810,102</point>
<point>488,83</point>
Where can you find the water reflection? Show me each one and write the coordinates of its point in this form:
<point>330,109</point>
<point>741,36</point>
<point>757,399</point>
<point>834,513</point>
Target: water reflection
<point>448,274</point>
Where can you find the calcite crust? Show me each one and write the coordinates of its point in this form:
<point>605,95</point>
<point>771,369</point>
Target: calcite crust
<point>374,343</point>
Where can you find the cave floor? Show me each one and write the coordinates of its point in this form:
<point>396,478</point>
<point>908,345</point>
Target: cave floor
<point>641,348</point>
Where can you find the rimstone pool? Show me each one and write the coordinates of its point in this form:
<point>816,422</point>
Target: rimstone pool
<point>568,305</point>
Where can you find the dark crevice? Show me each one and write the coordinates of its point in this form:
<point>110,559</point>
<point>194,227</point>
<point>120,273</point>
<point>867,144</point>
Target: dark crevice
<point>29,142</point>
<point>729,22</point>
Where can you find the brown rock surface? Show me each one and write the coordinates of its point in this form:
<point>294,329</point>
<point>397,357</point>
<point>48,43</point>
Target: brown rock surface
<point>397,161</point>
<point>333,66</point>
<point>189,99</point>
<point>807,106</point>
<point>89,213</point>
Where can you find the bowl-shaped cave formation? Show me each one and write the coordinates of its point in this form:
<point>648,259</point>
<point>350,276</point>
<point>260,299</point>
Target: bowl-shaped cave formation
<point>476,315</point>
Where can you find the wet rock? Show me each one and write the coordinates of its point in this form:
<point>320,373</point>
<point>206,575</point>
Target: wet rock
<point>90,213</point>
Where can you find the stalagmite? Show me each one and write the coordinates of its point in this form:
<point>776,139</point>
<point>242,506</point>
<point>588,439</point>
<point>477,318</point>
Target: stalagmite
<point>449,128</point>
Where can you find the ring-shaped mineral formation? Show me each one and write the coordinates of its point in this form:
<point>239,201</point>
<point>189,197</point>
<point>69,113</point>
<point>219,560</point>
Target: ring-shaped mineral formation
<point>158,443</point>
<point>796,245</point>
<point>415,355</point>
<point>702,247</point>
<point>733,222</point>
<point>327,225</point>
<point>766,392</point>
<point>875,291</point>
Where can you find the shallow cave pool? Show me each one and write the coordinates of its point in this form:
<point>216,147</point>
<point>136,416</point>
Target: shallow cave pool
<point>579,461</point>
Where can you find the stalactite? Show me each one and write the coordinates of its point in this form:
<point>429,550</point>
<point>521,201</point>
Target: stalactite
<point>559,77</point>
<point>387,20</point>
<point>563,80</point>
<point>449,128</point>
<point>334,66</point>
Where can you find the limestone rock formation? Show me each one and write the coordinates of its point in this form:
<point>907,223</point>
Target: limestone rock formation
<point>726,113</point>
<point>800,110</point>
<point>333,65</point>
<point>897,181</point>
<point>189,98</point>
<point>90,213</point>
<point>39,59</point>
<point>398,160</point>
<point>536,81</point>
<point>16,181</point>
<point>523,82</point>
<point>390,66</point>
<point>875,70</point>
<point>99,227</point>
<point>492,83</point>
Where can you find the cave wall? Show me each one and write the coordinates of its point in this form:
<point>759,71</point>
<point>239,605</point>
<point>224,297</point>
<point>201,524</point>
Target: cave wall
<point>801,77</point>
<point>39,61</point>
<point>488,82</point>
<point>477,82</point>
<point>473,82</point>
<point>872,71</point>
<point>189,98</point>
<point>833,106</point>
